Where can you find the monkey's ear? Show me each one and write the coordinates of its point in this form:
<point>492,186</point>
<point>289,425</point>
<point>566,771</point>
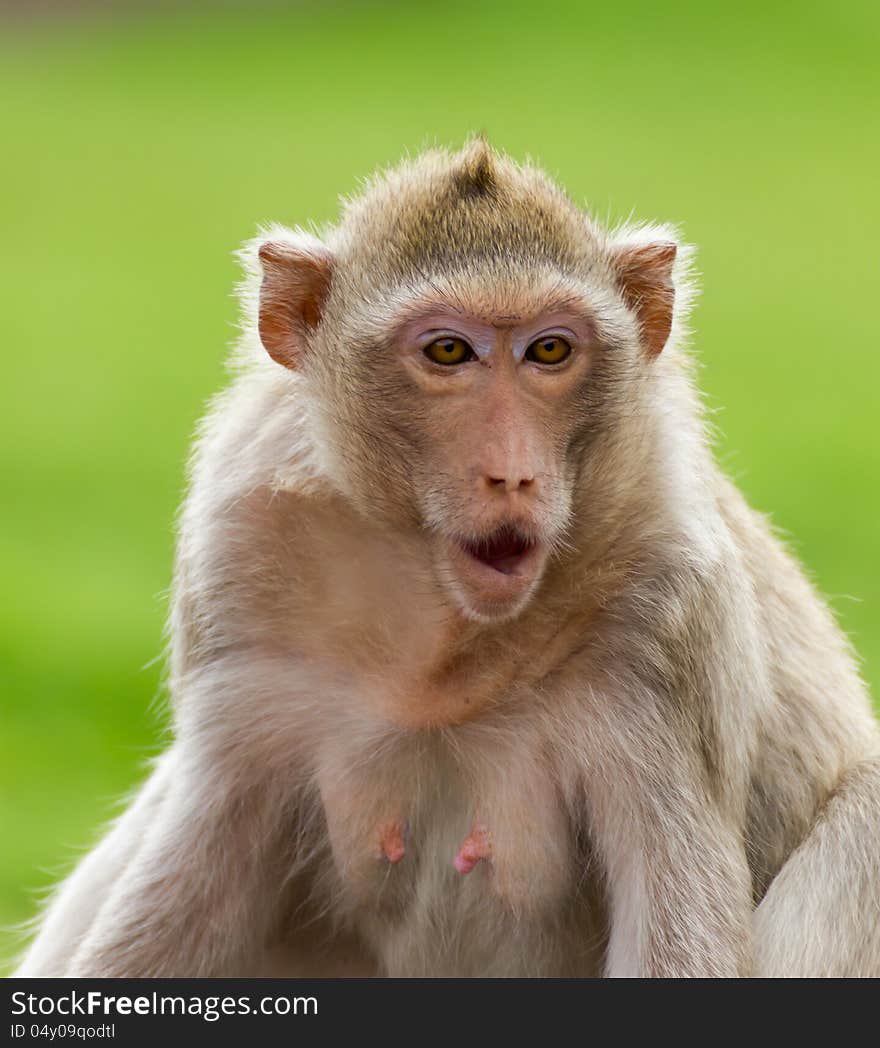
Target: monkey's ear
<point>644,274</point>
<point>296,280</point>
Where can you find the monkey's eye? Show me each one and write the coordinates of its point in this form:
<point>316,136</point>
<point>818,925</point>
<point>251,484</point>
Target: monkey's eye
<point>449,351</point>
<point>552,350</point>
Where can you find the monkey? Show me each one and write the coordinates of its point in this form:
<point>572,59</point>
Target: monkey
<point>479,664</point>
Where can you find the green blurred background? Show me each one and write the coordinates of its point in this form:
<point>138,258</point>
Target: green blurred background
<point>139,148</point>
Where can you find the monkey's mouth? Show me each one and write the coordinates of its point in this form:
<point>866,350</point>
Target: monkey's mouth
<point>503,551</point>
<point>493,576</point>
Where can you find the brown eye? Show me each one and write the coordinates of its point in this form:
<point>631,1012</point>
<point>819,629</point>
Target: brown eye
<point>449,351</point>
<point>551,350</point>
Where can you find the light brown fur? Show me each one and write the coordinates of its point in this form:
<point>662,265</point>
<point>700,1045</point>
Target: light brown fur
<point>655,752</point>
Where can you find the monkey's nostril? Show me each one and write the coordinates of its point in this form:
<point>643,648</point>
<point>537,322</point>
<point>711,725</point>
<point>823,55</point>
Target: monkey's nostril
<point>510,483</point>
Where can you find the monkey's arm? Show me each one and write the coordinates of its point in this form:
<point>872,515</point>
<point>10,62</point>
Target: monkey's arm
<point>679,886</point>
<point>75,904</point>
<point>821,914</point>
<point>196,896</point>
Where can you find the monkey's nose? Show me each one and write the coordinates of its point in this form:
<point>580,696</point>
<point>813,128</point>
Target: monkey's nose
<point>511,481</point>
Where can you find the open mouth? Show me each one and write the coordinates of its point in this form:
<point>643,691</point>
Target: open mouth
<point>492,577</point>
<point>503,551</point>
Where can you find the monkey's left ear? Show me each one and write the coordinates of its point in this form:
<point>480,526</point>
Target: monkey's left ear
<point>644,275</point>
<point>296,280</point>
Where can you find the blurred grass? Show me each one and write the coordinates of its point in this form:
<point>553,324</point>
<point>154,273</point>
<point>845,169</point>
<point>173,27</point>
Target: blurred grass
<point>139,151</point>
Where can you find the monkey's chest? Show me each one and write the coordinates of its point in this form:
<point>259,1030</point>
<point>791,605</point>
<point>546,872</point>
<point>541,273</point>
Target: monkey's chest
<point>456,868</point>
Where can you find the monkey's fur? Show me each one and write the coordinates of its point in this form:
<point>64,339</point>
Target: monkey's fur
<point>666,741</point>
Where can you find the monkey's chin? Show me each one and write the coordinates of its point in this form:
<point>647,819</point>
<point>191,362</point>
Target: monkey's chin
<point>489,589</point>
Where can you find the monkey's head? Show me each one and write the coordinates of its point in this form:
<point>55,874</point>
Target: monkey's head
<point>465,338</point>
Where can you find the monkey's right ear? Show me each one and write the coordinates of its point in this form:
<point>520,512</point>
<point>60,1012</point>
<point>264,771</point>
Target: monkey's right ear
<point>296,280</point>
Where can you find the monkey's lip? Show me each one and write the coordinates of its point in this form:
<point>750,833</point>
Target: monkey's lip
<point>504,551</point>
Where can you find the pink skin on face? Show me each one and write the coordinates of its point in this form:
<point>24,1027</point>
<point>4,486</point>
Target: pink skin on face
<point>392,840</point>
<point>475,847</point>
<point>505,483</point>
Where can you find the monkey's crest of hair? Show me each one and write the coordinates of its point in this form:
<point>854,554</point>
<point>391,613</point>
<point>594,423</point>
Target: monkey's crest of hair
<point>477,175</point>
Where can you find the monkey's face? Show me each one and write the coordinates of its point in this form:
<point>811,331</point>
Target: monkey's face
<point>454,333</point>
<point>471,422</point>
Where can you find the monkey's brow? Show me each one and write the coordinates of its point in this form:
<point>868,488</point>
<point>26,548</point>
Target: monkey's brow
<point>558,297</point>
